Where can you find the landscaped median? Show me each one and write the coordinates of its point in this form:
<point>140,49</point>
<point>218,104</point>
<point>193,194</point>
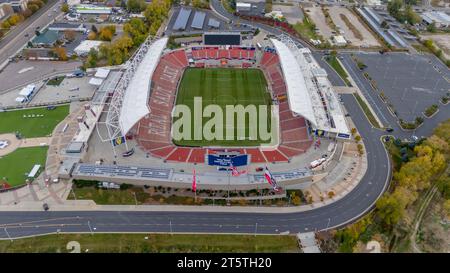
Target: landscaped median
<point>367,111</point>
<point>334,63</point>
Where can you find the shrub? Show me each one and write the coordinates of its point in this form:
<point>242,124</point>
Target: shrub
<point>125,186</point>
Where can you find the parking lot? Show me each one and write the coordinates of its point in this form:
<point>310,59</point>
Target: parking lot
<point>224,26</point>
<point>292,13</point>
<point>24,72</point>
<point>411,83</point>
<point>316,14</point>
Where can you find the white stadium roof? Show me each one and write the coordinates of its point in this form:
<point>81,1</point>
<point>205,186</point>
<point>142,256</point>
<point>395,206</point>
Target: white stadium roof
<point>309,91</point>
<point>298,95</point>
<point>134,105</point>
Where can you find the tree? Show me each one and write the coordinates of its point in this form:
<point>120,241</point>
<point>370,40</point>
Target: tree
<point>358,138</point>
<point>136,5</point>
<point>6,24</point>
<point>389,210</point>
<point>353,131</point>
<point>94,29</point>
<point>432,27</point>
<point>92,58</point>
<point>65,8</point>
<point>70,35</point>
<point>446,208</point>
<point>411,16</point>
<point>384,24</point>
<point>105,34</point>
<point>27,13</point>
<point>92,36</point>
<point>61,53</point>
<point>32,7</point>
<point>394,7</point>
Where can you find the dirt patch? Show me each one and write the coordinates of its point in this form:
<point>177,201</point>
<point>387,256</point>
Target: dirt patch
<point>442,41</point>
<point>354,31</point>
<point>316,14</point>
<point>434,232</point>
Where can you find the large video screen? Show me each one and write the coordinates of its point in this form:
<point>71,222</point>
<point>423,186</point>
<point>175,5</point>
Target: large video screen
<point>222,39</point>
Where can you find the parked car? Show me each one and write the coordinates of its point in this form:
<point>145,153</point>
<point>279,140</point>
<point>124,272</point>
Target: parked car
<point>45,206</point>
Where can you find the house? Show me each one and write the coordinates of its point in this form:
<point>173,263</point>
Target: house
<point>39,54</point>
<point>5,10</point>
<point>47,38</point>
<point>16,5</point>
<point>67,27</point>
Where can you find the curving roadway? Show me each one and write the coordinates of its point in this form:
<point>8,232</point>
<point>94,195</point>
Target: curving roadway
<point>356,203</point>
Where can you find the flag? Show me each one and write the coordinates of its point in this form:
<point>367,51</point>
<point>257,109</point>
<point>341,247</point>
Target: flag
<point>194,182</point>
<point>270,179</point>
<point>235,172</point>
<point>118,140</point>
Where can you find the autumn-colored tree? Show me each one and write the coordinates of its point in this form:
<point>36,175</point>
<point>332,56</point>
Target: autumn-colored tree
<point>92,35</point>
<point>70,35</point>
<point>61,53</point>
<point>105,34</point>
<point>65,8</point>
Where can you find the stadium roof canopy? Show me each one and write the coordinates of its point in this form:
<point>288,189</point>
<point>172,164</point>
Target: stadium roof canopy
<point>182,19</point>
<point>134,105</point>
<point>199,20</point>
<point>298,95</point>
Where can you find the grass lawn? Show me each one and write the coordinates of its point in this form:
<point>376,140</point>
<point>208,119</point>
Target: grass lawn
<point>223,86</point>
<point>111,196</point>
<point>29,127</point>
<point>136,243</point>
<point>306,29</point>
<point>367,111</point>
<point>14,165</point>
<point>334,63</point>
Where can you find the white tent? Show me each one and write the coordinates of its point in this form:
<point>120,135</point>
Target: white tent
<point>102,73</point>
<point>27,91</point>
<point>34,171</point>
<point>96,81</point>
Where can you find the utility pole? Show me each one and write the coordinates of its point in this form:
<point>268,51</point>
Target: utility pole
<point>90,228</point>
<point>7,233</point>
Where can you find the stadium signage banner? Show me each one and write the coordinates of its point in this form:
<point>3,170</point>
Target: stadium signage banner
<point>236,161</point>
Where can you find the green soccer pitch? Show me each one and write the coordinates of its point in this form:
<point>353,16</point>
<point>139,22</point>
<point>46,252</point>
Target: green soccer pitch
<point>223,86</point>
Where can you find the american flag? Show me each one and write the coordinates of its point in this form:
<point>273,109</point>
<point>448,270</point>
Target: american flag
<point>194,182</point>
<point>271,180</point>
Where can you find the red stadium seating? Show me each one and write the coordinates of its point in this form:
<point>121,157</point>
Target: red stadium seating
<point>154,130</point>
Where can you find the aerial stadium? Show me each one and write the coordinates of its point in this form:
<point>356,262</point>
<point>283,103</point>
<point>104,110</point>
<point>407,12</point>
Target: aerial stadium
<point>138,116</point>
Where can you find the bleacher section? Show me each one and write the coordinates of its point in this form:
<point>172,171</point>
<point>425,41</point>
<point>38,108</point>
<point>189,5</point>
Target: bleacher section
<point>153,131</point>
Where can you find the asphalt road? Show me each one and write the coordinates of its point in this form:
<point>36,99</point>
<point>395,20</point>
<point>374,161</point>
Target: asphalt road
<point>352,206</point>
<point>16,39</point>
<point>347,209</point>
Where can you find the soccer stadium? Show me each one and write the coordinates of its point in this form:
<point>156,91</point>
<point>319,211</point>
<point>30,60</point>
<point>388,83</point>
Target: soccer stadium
<point>138,115</point>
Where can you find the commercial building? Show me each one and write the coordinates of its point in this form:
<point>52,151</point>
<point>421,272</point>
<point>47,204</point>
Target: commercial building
<point>439,18</point>
<point>92,9</point>
<point>241,6</point>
